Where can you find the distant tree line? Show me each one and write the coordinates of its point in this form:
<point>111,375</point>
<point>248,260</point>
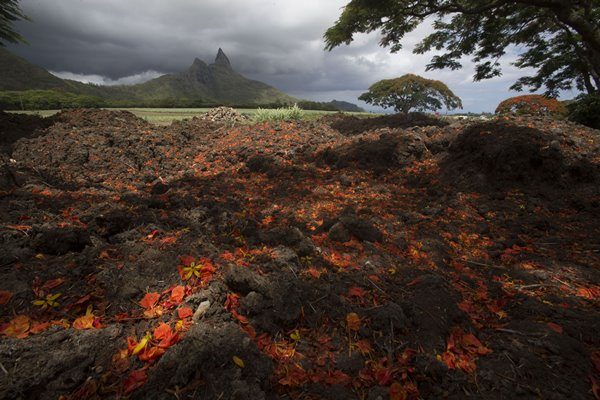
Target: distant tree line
<point>57,99</point>
<point>314,105</point>
<point>46,100</point>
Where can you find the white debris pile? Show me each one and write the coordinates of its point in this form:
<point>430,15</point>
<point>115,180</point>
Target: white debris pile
<point>224,114</point>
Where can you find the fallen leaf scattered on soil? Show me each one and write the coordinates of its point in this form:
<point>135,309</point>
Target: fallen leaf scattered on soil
<point>404,257</point>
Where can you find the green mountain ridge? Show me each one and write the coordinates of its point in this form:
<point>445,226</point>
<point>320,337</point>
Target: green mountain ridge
<point>25,85</point>
<point>217,83</point>
<point>18,74</point>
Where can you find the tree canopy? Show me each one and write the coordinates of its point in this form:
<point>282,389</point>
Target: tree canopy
<point>560,38</point>
<point>411,92</point>
<point>532,104</point>
<point>10,12</point>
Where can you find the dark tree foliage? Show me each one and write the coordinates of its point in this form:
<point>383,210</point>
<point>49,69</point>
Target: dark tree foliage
<point>559,38</point>
<point>411,92</point>
<point>10,12</point>
<point>586,110</point>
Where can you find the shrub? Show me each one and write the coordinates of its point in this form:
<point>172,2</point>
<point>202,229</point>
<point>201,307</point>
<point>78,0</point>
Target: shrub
<point>279,114</point>
<point>586,110</point>
<point>533,104</point>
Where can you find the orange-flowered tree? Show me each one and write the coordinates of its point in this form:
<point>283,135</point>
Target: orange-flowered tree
<point>533,104</point>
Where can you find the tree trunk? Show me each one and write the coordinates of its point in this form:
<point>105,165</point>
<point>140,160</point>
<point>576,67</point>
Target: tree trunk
<point>587,81</point>
<point>591,74</point>
<point>593,58</point>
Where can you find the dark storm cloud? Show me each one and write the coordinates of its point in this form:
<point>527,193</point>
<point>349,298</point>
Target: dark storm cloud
<point>275,41</point>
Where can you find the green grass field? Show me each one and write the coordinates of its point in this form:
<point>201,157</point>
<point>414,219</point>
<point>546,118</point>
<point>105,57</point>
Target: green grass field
<point>164,116</point>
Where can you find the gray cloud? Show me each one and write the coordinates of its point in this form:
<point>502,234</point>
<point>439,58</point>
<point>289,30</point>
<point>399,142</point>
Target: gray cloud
<point>276,41</point>
<point>105,81</point>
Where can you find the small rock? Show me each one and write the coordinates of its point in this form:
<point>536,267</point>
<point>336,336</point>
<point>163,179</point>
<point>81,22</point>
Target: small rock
<point>252,304</point>
<point>284,256</point>
<point>201,310</point>
<point>60,241</point>
<point>243,280</point>
<point>339,233</point>
<point>159,188</point>
<point>362,229</point>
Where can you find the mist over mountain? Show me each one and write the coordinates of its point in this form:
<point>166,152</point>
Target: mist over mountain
<point>201,83</point>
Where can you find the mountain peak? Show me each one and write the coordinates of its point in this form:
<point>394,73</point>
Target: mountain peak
<point>198,61</point>
<point>222,59</point>
<point>199,71</point>
<point>198,64</point>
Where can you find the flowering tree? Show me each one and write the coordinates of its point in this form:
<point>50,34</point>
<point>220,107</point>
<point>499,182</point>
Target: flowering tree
<point>531,105</point>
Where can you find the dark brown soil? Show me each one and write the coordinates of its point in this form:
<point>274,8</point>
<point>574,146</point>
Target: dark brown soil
<point>502,155</point>
<point>378,151</point>
<point>351,125</point>
<point>431,262</point>
<point>16,126</point>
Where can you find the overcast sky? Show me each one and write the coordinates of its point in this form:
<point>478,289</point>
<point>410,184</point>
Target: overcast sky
<point>278,42</point>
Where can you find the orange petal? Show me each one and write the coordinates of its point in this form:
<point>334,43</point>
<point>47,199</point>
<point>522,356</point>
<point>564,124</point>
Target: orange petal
<point>150,300</point>
<point>185,312</point>
<point>5,296</point>
<point>177,294</point>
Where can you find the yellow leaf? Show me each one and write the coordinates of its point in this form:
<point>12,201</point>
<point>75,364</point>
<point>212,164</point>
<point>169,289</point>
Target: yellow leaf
<point>54,296</point>
<point>238,361</point>
<point>179,325</point>
<point>48,301</point>
<point>295,335</point>
<point>353,321</point>
<point>140,346</point>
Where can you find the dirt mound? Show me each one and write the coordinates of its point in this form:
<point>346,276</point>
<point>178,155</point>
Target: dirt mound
<point>264,147</point>
<point>224,114</point>
<point>205,260</point>
<point>530,153</point>
<point>351,125</point>
<point>99,147</point>
<point>378,151</point>
<point>16,126</point>
<point>98,118</point>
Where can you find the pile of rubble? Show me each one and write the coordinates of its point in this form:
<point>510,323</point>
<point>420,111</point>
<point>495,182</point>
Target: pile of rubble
<point>224,114</point>
<point>394,257</point>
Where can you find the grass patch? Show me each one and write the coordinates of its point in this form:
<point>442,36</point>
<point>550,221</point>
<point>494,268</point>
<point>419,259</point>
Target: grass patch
<point>165,116</point>
<point>280,114</point>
